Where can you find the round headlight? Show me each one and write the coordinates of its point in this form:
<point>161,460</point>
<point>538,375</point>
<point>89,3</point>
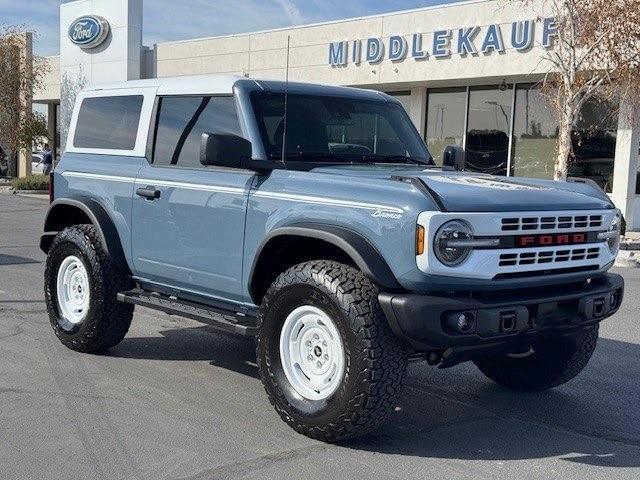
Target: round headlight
<point>448,233</point>
<point>614,242</point>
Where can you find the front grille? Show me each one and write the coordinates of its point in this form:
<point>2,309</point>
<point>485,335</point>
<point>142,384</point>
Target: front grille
<point>558,271</point>
<point>565,222</point>
<point>554,256</point>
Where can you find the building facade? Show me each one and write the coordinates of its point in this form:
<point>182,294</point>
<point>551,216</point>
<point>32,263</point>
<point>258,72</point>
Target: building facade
<point>467,74</point>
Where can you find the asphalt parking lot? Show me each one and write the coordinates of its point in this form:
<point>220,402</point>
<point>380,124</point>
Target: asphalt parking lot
<point>178,400</point>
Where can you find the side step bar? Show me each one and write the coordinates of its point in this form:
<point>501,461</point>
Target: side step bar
<point>221,319</point>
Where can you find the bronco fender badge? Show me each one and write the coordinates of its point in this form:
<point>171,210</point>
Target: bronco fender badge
<point>380,213</point>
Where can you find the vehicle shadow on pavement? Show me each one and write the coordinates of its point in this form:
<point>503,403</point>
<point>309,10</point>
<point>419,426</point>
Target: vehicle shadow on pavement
<point>193,344</point>
<point>589,421</point>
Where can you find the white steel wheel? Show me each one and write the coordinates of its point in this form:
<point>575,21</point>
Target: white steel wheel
<point>311,353</point>
<point>72,290</point>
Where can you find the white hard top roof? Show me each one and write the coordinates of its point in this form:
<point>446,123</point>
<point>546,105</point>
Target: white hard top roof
<point>223,85</point>
<point>188,84</point>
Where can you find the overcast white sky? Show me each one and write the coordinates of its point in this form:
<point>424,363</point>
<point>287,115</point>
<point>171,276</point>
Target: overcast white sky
<point>177,20</point>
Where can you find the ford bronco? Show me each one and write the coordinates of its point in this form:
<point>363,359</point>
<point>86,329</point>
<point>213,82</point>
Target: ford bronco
<point>315,219</point>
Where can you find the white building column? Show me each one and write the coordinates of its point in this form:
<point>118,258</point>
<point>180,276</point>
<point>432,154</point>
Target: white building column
<point>626,165</point>
<point>117,58</point>
<point>418,108</point>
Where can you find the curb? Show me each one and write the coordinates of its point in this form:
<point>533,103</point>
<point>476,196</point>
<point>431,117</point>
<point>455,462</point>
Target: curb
<point>39,194</point>
<point>628,259</point>
<point>29,192</point>
<point>11,191</point>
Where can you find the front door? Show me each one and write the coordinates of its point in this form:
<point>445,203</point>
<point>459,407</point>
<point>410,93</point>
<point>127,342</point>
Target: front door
<point>188,228</point>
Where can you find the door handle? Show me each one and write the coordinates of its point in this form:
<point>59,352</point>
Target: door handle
<point>150,193</point>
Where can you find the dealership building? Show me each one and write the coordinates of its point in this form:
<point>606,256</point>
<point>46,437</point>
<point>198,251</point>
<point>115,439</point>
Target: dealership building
<point>467,74</point>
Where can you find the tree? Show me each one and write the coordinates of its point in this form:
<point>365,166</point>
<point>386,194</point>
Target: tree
<point>595,57</point>
<point>20,75</point>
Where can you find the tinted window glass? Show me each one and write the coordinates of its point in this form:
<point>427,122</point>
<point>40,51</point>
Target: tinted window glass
<point>337,129</point>
<point>183,120</point>
<point>108,123</point>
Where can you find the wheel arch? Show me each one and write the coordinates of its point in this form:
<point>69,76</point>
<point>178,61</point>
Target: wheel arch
<point>66,212</point>
<point>288,246</point>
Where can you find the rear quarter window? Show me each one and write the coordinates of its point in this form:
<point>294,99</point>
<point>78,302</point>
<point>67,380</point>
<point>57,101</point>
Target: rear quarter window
<point>109,123</point>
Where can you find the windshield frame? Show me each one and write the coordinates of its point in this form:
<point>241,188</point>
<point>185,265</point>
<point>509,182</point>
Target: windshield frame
<point>305,161</point>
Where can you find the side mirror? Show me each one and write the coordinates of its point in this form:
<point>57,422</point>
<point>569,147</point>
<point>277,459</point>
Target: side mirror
<point>453,158</point>
<point>224,150</point>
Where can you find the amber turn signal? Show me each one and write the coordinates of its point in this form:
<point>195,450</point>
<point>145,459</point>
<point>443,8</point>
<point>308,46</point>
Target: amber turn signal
<point>420,240</point>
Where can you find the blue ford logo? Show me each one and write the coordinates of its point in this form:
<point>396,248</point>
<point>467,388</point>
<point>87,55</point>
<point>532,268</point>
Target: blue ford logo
<point>89,31</point>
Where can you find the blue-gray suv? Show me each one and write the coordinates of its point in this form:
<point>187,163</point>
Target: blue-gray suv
<point>315,219</point>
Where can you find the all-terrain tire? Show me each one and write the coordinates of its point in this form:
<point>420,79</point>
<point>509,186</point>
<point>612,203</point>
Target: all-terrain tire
<point>375,360</point>
<point>107,320</point>
<point>553,363</point>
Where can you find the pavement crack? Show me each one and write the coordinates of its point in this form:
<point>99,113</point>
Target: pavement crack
<point>241,469</point>
<point>4,390</point>
<point>17,330</point>
<point>30,311</point>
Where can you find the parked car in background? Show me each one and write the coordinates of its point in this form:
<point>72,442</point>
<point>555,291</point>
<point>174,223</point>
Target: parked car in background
<point>37,167</point>
<point>487,152</point>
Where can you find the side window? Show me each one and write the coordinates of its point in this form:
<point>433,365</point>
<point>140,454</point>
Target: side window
<point>109,123</point>
<point>183,120</point>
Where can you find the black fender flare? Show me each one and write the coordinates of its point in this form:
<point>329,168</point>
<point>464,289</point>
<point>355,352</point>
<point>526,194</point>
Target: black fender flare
<point>366,257</point>
<point>97,215</point>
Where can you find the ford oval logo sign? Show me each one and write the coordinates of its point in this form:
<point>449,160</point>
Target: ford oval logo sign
<point>89,31</point>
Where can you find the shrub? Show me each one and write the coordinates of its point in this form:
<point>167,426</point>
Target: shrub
<point>32,182</point>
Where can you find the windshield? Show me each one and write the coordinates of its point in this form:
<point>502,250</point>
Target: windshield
<point>338,130</point>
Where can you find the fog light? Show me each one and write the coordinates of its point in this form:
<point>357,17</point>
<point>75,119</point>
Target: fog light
<point>460,322</point>
<point>613,300</point>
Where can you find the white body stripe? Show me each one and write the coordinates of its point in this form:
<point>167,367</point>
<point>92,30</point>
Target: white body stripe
<point>327,201</point>
<point>97,176</point>
<point>191,186</point>
<point>238,191</point>
<point>161,183</point>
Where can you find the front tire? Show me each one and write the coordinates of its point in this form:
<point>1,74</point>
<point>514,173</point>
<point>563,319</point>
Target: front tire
<point>552,363</point>
<point>331,366</point>
<point>81,286</point>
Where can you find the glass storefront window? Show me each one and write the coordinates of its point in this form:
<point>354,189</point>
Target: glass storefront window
<point>488,129</point>
<point>594,143</point>
<point>535,132</point>
<point>445,119</point>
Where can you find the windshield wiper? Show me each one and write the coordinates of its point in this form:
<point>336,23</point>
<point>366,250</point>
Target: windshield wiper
<point>350,158</point>
<point>394,159</point>
<point>308,156</point>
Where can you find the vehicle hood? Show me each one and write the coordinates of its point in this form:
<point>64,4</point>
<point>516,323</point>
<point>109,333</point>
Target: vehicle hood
<point>470,192</point>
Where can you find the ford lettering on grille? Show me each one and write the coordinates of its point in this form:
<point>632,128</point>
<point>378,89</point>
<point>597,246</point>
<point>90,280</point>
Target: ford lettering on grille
<point>551,239</point>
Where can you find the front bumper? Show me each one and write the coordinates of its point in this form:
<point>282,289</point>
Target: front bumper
<point>506,320</point>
